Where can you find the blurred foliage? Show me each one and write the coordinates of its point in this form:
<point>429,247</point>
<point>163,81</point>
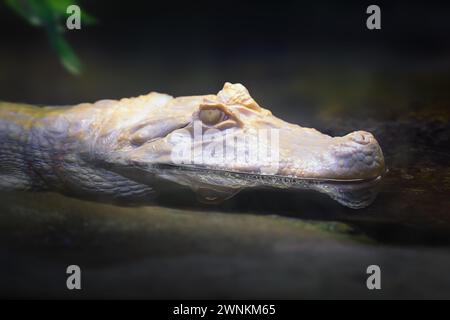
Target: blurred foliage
<point>52,15</point>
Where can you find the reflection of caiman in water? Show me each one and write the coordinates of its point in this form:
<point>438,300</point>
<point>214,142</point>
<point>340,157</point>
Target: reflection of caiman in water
<point>123,149</point>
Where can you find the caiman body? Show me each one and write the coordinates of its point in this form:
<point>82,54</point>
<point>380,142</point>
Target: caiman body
<point>124,149</point>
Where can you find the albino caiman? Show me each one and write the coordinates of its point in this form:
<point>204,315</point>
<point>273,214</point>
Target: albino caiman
<point>124,149</point>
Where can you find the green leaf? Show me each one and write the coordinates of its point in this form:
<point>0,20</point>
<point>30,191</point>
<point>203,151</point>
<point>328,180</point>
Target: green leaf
<point>86,18</point>
<point>25,11</point>
<point>52,15</point>
<point>60,6</point>
<point>65,52</point>
<point>68,57</point>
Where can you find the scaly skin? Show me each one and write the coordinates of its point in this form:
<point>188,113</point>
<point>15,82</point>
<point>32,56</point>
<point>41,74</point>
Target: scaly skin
<point>124,149</point>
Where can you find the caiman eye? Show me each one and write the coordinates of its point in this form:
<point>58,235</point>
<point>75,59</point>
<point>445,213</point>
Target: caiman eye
<point>211,116</point>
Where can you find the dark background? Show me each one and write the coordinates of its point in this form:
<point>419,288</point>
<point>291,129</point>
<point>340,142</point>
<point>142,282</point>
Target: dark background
<point>297,58</point>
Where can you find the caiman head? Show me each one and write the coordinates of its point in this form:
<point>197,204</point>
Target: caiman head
<point>220,144</point>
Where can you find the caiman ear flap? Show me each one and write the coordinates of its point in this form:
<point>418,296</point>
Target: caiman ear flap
<point>209,104</point>
<point>237,94</point>
<point>154,130</point>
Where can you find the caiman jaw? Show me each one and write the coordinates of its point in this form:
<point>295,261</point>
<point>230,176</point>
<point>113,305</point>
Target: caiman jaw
<point>354,157</point>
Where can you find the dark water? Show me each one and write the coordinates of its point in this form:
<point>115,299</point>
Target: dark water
<point>260,244</point>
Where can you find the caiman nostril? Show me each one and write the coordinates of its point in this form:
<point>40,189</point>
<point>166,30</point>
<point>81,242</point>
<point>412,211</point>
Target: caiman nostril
<point>361,137</point>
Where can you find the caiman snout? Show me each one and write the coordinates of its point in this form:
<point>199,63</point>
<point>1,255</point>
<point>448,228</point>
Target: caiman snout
<point>358,156</point>
<point>361,137</point>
